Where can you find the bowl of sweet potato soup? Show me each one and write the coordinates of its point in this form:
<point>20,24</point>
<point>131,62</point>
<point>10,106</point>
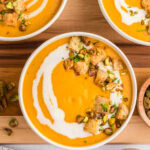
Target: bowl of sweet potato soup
<point>22,19</point>
<point>130,18</point>
<point>77,91</point>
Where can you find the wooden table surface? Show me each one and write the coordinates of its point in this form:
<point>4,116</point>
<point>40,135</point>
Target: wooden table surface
<point>79,15</point>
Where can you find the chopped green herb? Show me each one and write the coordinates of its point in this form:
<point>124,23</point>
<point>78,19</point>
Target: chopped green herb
<point>9,5</point>
<point>80,46</point>
<point>109,72</point>
<point>81,56</point>
<point>115,106</point>
<point>95,43</point>
<point>105,107</point>
<point>102,128</point>
<point>124,117</point>
<point>115,79</point>
<point>23,21</point>
<point>71,57</point>
<point>84,48</point>
<point>19,16</point>
<point>142,30</point>
<point>118,81</point>
<point>113,116</point>
<point>63,58</point>
<point>85,141</point>
<point>4,12</point>
<point>76,59</point>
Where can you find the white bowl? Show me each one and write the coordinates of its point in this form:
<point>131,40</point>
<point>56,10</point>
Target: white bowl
<point>124,58</point>
<point>117,29</point>
<point>38,31</point>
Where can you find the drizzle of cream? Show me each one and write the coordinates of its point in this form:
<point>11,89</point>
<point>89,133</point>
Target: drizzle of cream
<point>39,10</point>
<point>127,18</point>
<point>71,130</point>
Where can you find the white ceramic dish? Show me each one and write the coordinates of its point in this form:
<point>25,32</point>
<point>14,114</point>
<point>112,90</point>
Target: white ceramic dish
<point>117,29</point>
<point>38,31</point>
<point>124,58</point>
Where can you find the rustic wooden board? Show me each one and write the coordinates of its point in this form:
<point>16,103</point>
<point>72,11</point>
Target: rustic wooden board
<point>79,15</point>
<point>137,132</point>
<point>23,134</point>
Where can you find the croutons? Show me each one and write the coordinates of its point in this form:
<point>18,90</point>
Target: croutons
<point>81,67</point>
<point>85,40</point>
<point>2,7</point>
<point>101,76</point>
<point>111,86</point>
<point>10,19</point>
<point>19,6</point>
<point>123,112</point>
<point>117,64</point>
<point>146,5</point>
<point>92,126</point>
<point>68,64</point>
<point>100,56</point>
<point>102,105</point>
<point>75,44</point>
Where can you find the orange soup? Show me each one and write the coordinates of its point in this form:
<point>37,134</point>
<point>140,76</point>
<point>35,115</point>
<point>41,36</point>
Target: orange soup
<point>77,91</point>
<point>23,17</point>
<point>130,16</point>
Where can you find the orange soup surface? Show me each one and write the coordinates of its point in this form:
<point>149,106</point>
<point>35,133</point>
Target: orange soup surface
<point>137,30</point>
<point>74,94</point>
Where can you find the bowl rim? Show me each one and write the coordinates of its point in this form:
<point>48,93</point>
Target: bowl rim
<point>140,105</point>
<point>117,29</point>
<point>20,38</point>
<point>121,54</point>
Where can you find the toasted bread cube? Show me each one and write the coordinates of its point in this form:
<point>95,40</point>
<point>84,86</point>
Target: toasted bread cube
<point>102,105</point>
<point>81,67</point>
<point>10,19</point>
<point>101,76</point>
<point>123,112</point>
<point>117,64</point>
<point>2,7</point>
<point>19,6</point>
<point>92,126</point>
<point>68,64</point>
<point>146,5</point>
<point>75,44</point>
<point>100,56</point>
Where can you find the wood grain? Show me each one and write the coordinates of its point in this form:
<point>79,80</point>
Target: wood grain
<point>13,74</point>
<point>81,15</point>
<point>24,135</point>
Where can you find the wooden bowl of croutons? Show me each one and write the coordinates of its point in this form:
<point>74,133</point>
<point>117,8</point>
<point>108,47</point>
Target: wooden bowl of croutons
<point>144,102</point>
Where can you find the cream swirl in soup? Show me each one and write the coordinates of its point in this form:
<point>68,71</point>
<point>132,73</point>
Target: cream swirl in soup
<point>129,14</point>
<point>22,17</point>
<point>77,93</point>
<point>71,130</point>
<point>38,10</point>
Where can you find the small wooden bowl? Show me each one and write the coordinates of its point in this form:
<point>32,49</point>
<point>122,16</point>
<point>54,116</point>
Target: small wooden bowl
<point>140,105</point>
